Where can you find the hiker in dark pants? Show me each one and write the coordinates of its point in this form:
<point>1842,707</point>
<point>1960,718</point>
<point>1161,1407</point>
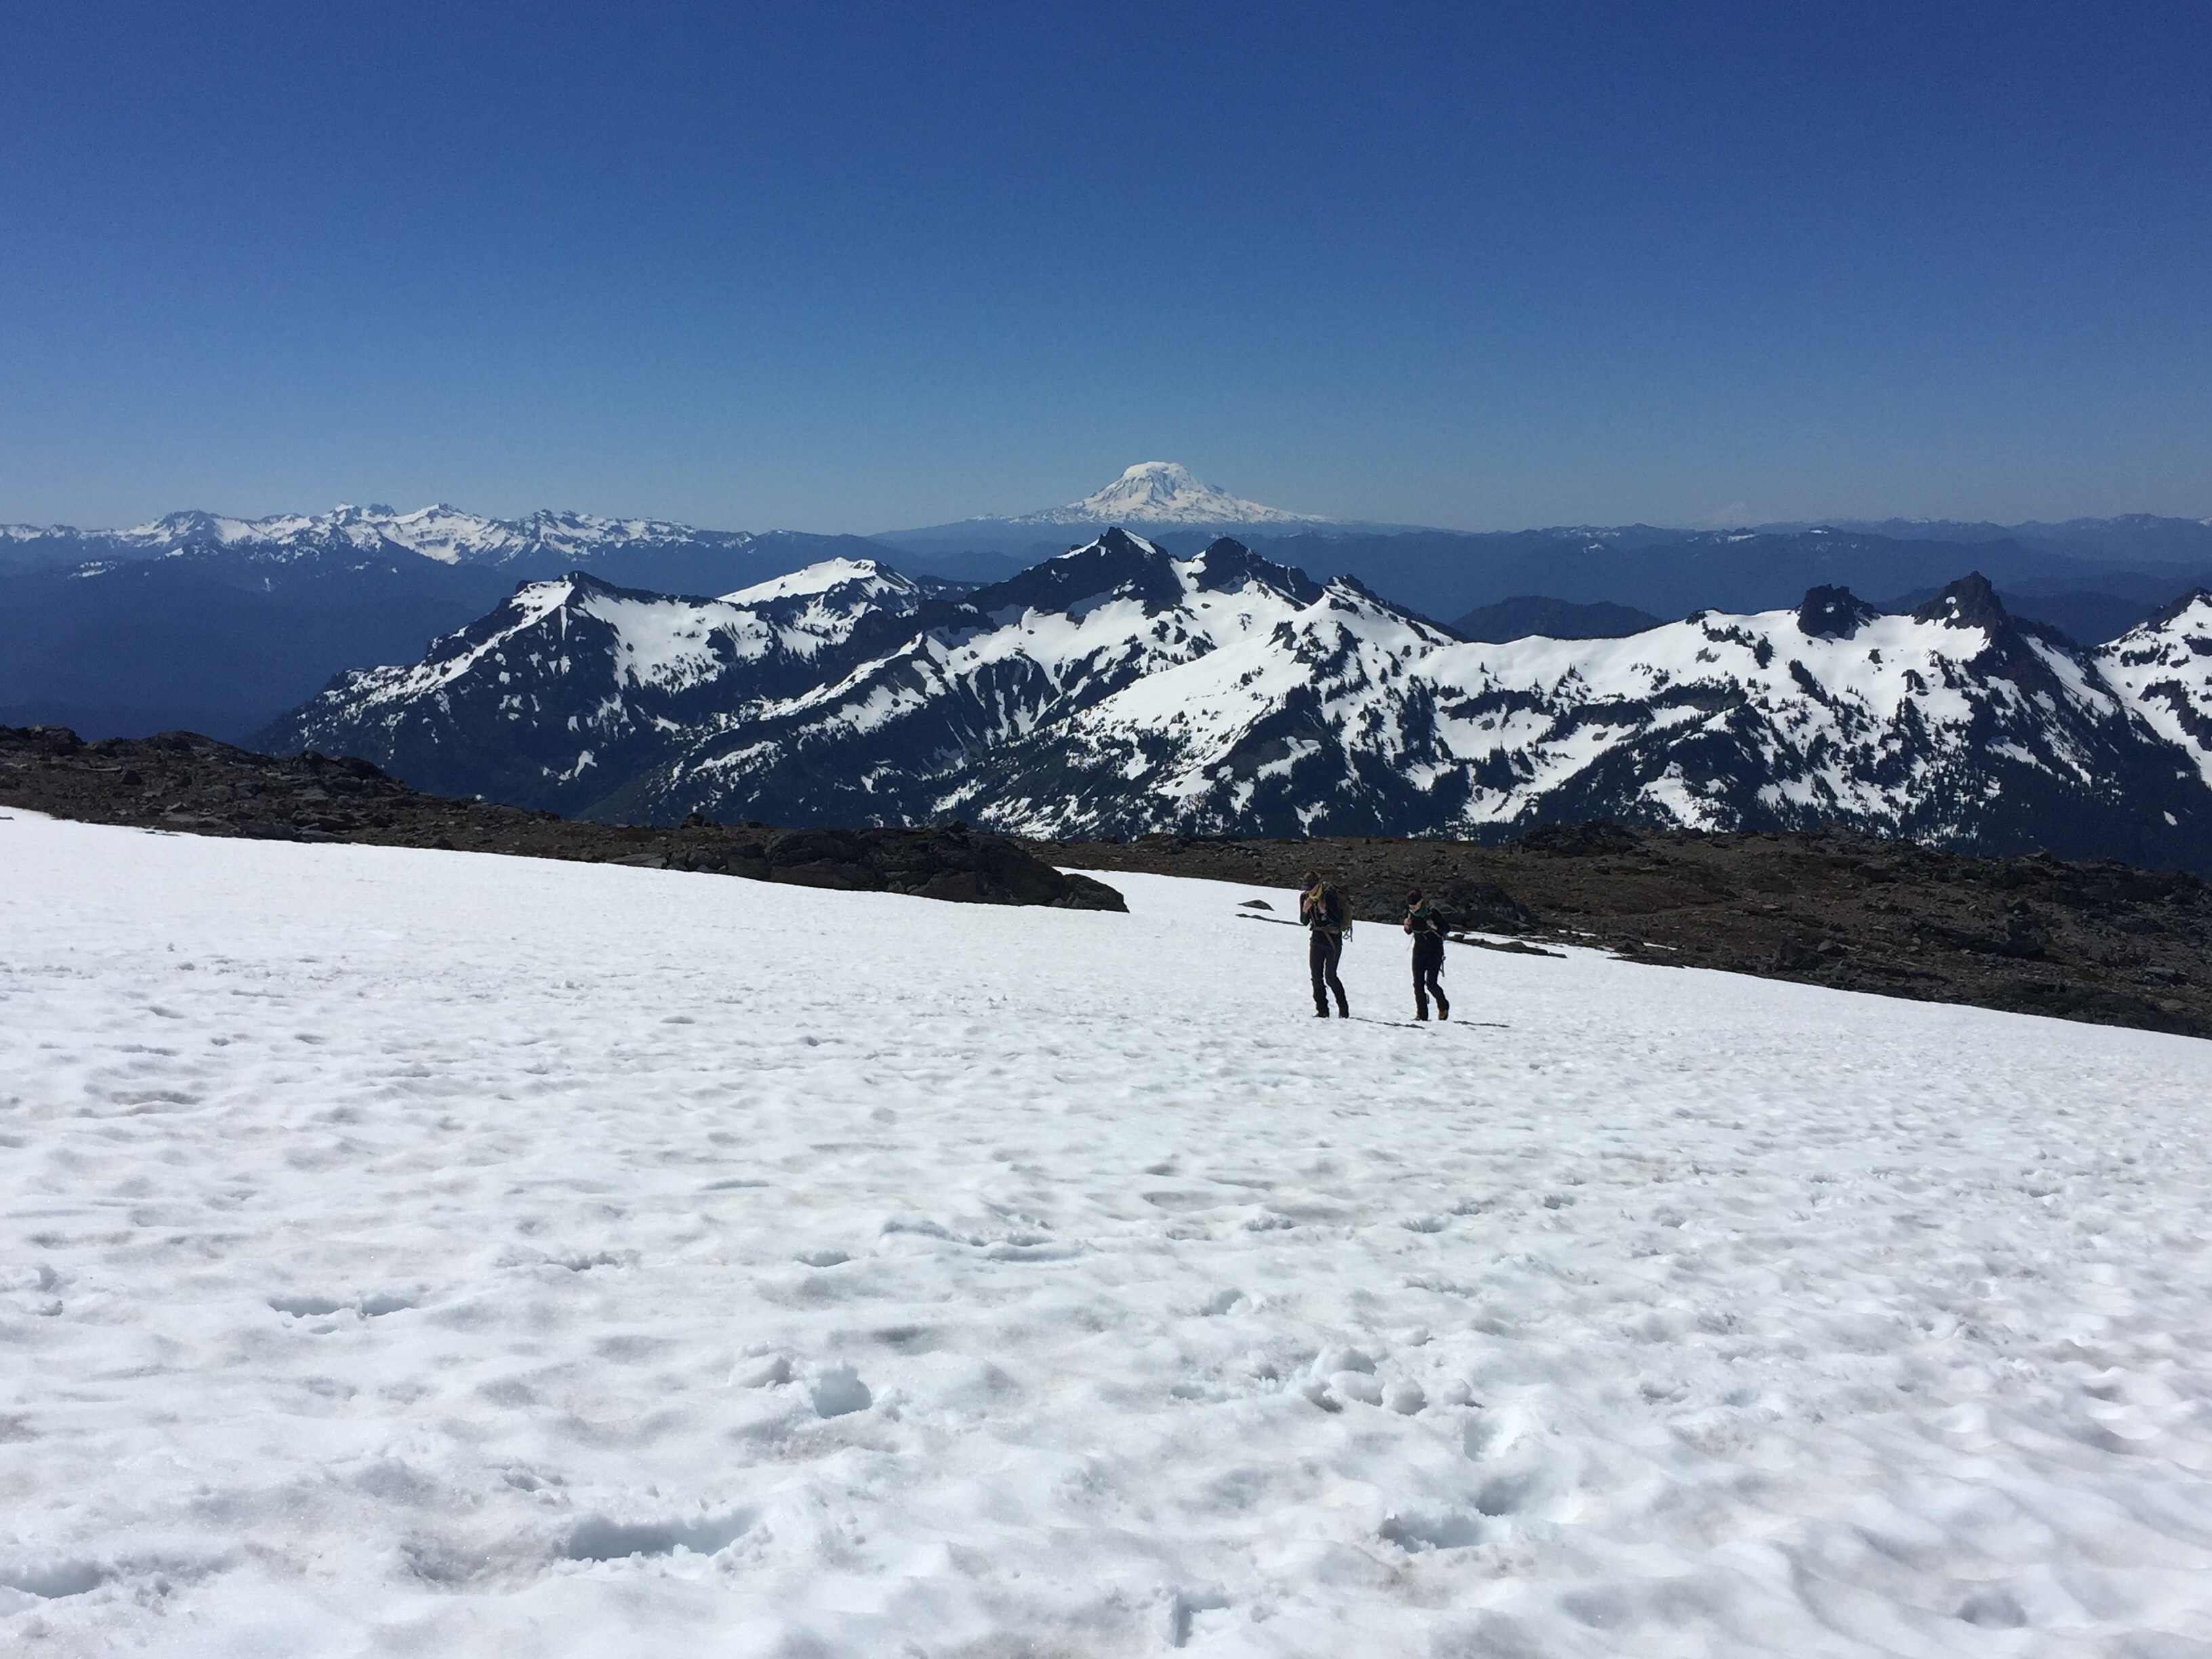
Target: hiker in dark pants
<point>1427,928</point>
<point>1327,918</point>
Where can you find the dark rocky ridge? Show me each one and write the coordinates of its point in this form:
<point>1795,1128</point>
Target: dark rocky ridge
<point>2100,942</point>
<point>180,780</point>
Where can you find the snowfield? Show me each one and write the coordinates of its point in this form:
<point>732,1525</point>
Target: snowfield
<point>420,1253</point>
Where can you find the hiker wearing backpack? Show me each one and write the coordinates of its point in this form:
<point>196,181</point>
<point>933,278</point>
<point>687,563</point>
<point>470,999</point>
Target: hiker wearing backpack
<point>1427,926</point>
<point>1327,919</point>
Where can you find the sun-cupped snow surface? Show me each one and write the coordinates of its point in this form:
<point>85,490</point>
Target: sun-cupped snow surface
<point>414,1252</point>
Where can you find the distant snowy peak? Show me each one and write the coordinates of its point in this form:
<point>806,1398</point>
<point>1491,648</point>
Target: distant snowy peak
<point>2163,667</point>
<point>1163,492</point>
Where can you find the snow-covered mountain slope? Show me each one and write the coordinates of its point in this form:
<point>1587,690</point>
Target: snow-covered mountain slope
<point>569,686</point>
<point>427,1253</point>
<point>1163,493</point>
<point>2164,668</point>
<point>1010,661</point>
<point>1117,690</point>
<point>842,692</point>
<point>1956,725</point>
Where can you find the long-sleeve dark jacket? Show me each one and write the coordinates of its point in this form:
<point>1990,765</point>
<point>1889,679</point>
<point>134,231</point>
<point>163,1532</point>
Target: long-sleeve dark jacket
<point>1323,908</point>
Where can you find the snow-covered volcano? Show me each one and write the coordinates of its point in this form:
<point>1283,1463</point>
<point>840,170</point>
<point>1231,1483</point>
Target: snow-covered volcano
<point>1151,498</point>
<point>1164,493</point>
<point>1118,689</point>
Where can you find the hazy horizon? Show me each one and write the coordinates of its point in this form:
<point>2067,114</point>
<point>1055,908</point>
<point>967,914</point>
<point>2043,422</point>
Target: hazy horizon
<point>1044,530</point>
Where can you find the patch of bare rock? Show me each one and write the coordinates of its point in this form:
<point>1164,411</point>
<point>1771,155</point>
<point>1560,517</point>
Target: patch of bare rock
<point>182,781</point>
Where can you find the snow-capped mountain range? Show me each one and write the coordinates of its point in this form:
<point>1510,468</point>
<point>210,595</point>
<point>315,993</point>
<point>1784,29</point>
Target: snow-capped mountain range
<point>216,622</point>
<point>1156,493</point>
<point>1119,689</point>
<point>439,532</point>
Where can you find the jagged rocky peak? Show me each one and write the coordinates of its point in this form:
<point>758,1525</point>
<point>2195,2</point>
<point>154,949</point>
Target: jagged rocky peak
<point>2196,599</point>
<point>1116,564</point>
<point>1227,566</point>
<point>1112,563</point>
<point>1969,602</point>
<point>1833,613</point>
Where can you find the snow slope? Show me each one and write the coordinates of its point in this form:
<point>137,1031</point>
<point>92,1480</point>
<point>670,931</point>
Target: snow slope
<point>2163,667</point>
<point>570,686</point>
<point>408,1252</point>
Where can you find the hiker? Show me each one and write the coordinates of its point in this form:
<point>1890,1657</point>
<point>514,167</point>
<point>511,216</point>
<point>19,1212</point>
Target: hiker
<point>1327,919</point>
<point>1427,927</point>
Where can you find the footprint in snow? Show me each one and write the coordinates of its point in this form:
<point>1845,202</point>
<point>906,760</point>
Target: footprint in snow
<point>599,1538</point>
<point>761,1371</point>
<point>51,1581</point>
<point>1415,1534</point>
<point>322,1307</point>
<point>839,1391</point>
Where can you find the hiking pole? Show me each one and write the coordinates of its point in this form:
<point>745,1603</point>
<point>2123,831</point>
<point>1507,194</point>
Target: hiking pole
<point>1511,947</point>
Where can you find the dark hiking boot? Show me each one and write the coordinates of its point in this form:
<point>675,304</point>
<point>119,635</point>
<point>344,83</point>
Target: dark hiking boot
<point>1443,1009</point>
<point>1320,1011</point>
<point>1343,1010</point>
<point>1421,1012</point>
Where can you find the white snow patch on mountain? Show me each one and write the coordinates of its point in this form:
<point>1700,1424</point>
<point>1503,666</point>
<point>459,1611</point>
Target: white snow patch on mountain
<point>2164,668</point>
<point>464,1254</point>
<point>862,577</point>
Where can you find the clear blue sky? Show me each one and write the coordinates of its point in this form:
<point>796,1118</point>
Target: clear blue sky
<point>855,267</point>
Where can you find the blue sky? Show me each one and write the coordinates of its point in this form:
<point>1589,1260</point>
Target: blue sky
<point>858,267</point>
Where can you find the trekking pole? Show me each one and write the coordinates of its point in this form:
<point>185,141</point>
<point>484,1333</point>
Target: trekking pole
<point>1513,948</point>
